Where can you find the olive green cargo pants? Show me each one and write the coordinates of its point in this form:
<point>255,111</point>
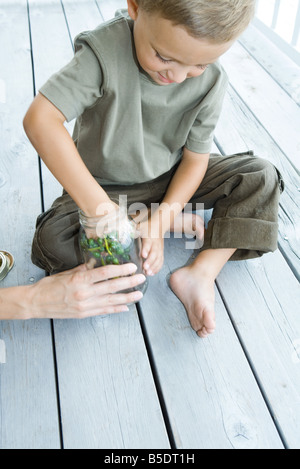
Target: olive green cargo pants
<point>242,189</point>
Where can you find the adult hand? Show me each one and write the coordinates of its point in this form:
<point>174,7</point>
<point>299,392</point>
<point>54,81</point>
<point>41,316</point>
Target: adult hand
<point>82,293</point>
<point>78,293</point>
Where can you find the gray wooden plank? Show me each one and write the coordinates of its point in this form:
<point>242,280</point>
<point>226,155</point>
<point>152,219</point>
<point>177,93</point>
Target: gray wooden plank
<point>82,16</point>
<point>211,396</point>
<point>266,314</point>
<point>108,8</point>
<point>50,53</point>
<point>28,405</point>
<point>276,63</point>
<point>275,110</point>
<point>107,393</point>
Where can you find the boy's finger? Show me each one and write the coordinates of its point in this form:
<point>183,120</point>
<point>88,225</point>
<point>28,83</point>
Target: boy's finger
<point>146,246</point>
<point>157,265</point>
<point>153,263</point>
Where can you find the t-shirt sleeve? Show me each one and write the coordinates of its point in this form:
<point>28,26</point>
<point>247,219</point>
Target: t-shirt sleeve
<point>200,138</point>
<point>78,85</point>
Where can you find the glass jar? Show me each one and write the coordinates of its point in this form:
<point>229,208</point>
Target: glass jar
<point>110,239</point>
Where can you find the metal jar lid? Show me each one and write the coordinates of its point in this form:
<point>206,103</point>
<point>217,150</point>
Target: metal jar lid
<point>6,263</point>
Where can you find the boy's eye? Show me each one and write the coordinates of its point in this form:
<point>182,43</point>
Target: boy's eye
<point>202,67</point>
<point>165,61</point>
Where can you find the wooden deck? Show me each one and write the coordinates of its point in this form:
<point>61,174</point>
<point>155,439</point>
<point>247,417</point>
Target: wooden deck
<point>144,379</point>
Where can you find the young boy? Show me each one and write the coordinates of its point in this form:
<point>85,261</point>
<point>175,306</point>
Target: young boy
<point>147,91</point>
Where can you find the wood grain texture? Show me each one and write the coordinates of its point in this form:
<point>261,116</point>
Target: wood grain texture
<point>282,69</point>
<point>107,392</point>
<point>210,393</point>
<point>28,401</point>
<point>263,298</point>
<point>274,109</point>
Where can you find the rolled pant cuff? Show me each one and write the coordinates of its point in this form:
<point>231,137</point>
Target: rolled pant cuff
<point>251,237</point>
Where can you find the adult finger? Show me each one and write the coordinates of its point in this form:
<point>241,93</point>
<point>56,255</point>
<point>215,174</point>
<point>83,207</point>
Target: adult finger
<point>118,284</point>
<point>103,311</point>
<point>107,272</point>
<point>106,304</point>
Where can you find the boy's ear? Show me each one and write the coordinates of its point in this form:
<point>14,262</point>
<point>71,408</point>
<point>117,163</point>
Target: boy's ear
<point>132,9</point>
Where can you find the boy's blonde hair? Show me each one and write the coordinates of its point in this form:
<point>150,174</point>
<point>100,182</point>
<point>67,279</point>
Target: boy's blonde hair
<point>216,20</point>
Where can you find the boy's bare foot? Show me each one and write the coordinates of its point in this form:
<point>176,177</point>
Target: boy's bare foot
<point>194,286</point>
<point>196,292</point>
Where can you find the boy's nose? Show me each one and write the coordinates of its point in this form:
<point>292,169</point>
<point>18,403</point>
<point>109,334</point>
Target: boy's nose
<point>178,76</point>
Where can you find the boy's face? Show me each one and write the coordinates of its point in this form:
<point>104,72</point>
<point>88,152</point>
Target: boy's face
<point>167,52</point>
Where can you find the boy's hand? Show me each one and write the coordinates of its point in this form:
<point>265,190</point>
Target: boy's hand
<point>153,253</point>
<point>103,210</point>
<point>152,247</point>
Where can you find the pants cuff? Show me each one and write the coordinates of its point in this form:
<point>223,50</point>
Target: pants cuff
<point>251,237</point>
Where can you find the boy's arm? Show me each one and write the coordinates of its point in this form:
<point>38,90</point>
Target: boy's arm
<point>44,126</point>
<point>183,185</point>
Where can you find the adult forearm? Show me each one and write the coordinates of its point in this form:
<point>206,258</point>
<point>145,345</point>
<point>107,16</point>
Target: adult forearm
<point>15,303</point>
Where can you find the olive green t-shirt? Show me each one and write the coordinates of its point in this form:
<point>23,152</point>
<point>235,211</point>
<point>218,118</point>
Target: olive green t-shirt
<point>128,128</point>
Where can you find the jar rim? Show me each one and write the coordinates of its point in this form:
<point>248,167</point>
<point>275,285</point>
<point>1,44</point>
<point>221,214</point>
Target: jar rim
<point>118,213</point>
<point>116,221</point>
